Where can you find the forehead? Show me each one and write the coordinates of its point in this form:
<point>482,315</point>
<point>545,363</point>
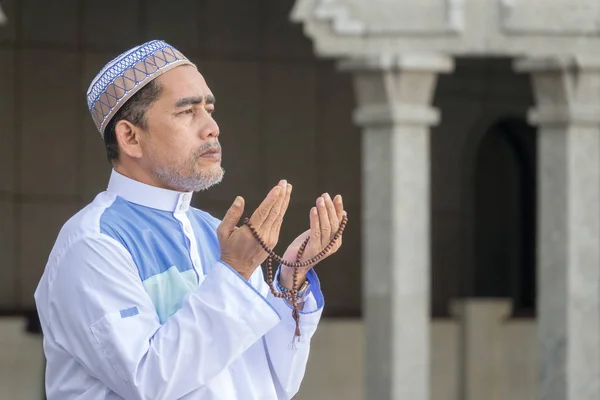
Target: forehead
<point>183,81</point>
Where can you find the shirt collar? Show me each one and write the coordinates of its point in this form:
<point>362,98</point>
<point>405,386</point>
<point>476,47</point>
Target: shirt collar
<point>148,196</point>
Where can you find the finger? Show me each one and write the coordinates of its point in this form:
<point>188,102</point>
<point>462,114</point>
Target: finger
<point>231,219</point>
<point>315,226</point>
<point>285,199</point>
<point>323,221</point>
<point>339,206</point>
<point>262,212</point>
<point>334,221</point>
<point>275,210</point>
<point>284,206</point>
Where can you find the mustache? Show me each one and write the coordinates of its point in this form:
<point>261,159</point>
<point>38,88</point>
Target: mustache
<point>208,146</point>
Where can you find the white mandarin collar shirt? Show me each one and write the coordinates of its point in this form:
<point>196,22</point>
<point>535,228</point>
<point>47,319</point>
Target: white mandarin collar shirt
<point>135,303</point>
<point>149,196</point>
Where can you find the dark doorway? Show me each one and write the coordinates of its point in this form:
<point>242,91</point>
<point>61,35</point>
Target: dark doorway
<point>505,215</point>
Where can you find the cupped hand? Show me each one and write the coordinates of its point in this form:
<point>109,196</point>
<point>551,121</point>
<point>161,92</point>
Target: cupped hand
<point>325,220</point>
<point>239,248</point>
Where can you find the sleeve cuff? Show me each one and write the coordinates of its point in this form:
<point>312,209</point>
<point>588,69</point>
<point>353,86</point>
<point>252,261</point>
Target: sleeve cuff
<point>314,300</point>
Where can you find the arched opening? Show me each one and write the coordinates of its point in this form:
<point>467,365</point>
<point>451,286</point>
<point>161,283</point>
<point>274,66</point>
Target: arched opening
<point>505,216</point>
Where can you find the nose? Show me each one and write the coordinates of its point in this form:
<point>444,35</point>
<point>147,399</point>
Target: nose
<point>210,129</point>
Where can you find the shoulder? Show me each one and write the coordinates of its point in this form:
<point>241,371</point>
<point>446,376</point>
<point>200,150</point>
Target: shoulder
<point>81,246</point>
<point>83,227</point>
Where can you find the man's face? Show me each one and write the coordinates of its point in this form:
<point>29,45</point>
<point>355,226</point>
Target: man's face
<point>181,146</point>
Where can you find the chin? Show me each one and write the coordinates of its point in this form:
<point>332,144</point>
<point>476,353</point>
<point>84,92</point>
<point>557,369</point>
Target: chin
<point>209,178</point>
<point>212,172</point>
<point>196,180</point>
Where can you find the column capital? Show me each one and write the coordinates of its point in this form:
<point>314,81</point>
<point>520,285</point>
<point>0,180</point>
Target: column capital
<point>567,90</point>
<point>396,114</point>
<point>557,64</point>
<point>395,91</point>
<point>583,115</point>
<point>405,62</point>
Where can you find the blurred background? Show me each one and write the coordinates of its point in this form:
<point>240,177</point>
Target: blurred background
<point>463,136</point>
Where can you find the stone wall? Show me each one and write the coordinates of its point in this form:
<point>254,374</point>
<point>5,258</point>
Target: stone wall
<point>282,112</point>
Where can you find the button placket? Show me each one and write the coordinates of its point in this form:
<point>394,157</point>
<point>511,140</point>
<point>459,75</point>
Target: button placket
<point>183,202</point>
<point>193,248</point>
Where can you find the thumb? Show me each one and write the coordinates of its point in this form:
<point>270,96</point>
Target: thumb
<point>232,217</point>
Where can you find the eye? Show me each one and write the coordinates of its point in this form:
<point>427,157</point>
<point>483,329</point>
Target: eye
<point>211,111</point>
<point>188,111</point>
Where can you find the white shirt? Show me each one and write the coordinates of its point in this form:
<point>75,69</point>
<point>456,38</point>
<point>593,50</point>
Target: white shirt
<point>135,304</point>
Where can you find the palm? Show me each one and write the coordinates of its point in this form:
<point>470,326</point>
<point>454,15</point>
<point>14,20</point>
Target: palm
<point>324,223</point>
<point>291,254</point>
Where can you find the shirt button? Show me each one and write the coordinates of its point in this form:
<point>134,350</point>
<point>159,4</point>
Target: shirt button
<point>188,229</point>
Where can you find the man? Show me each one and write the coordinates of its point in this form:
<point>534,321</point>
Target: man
<point>144,297</point>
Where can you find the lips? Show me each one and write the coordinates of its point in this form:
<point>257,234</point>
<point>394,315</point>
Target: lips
<point>212,153</point>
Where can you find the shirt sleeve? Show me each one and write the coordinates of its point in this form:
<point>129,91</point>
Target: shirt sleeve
<point>287,355</point>
<point>101,314</point>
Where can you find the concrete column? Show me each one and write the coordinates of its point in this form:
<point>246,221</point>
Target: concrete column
<point>394,97</point>
<point>567,113</point>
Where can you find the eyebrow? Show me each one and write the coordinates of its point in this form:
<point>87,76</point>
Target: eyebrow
<point>193,100</point>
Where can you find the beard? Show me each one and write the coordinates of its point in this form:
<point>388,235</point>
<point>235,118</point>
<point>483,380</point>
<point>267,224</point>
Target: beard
<point>184,175</point>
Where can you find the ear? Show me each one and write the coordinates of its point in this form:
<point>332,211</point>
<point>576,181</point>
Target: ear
<point>128,137</point>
